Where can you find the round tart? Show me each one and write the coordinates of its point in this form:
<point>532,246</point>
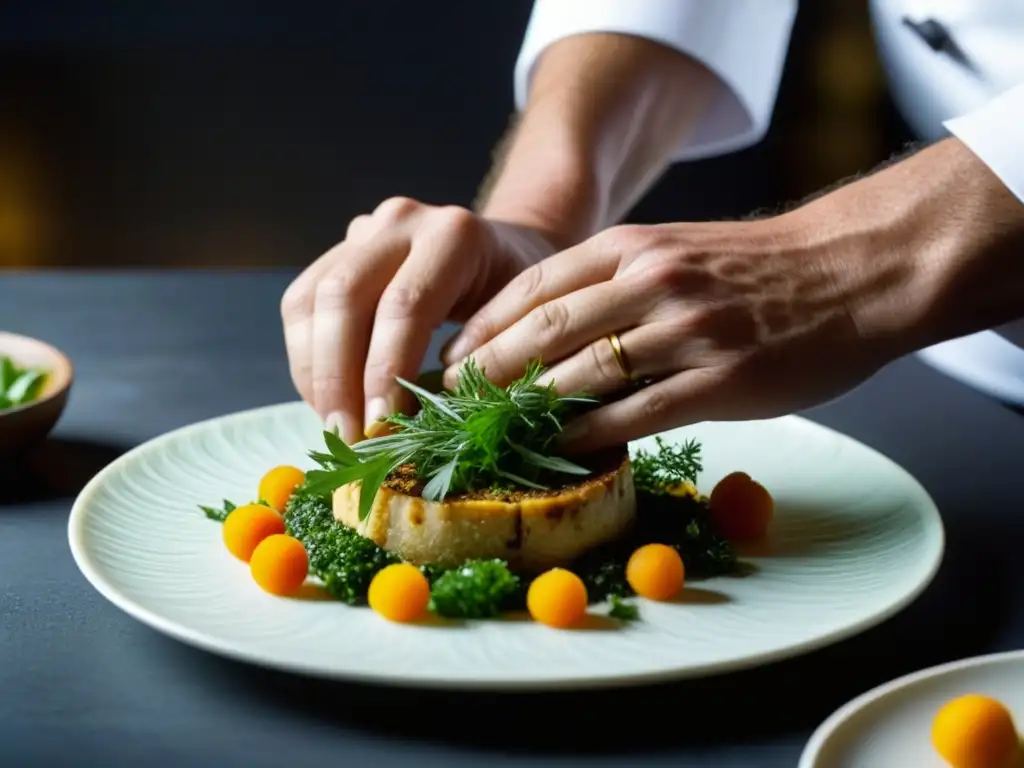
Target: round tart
<point>531,529</point>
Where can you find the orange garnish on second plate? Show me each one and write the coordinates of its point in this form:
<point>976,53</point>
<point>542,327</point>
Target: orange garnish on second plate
<point>976,731</point>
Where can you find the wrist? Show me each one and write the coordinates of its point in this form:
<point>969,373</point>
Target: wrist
<point>605,114</point>
<point>925,250</point>
<point>967,232</point>
<point>545,180</point>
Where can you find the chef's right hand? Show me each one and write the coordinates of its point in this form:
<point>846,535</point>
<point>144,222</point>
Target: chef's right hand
<point>364,312</point>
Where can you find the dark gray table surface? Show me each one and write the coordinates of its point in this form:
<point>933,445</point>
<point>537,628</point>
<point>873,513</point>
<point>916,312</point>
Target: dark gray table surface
<point>83,684</point>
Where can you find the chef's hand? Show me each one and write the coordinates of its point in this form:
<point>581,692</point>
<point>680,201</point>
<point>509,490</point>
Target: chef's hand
<point>363,313</point>
<point>727,321</point>
<point>756,319</point>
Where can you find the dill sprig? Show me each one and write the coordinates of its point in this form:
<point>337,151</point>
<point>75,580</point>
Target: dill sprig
<point>668,468</point>
<point>477,436</point>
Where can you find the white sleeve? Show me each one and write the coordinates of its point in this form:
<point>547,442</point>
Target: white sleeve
<point>995,134</point>
<point>744,42</point>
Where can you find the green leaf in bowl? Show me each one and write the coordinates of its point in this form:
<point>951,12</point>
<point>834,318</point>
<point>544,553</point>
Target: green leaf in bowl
<point>19,386</point>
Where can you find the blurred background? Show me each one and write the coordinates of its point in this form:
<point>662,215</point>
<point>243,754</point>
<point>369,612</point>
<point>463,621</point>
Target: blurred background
<point>231,134</point>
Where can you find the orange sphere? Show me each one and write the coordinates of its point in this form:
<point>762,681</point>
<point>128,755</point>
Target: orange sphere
<point>279,564</point>
<point>246,526</point>
<point>278,484</point>
<point>399,592</point>
<point>741,508</point>
<point>557,598</point>
<point>976,731</point>
<point>656,571</point>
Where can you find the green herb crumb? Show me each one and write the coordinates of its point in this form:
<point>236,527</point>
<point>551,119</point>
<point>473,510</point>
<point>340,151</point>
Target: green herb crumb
<point>621,610</point>
<point>477,589</point>
<point>341,558</point>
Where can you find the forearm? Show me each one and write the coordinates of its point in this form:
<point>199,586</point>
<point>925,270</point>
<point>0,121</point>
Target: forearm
<point>943,229</point>
<point>604,116</point>
<point>974,269</point>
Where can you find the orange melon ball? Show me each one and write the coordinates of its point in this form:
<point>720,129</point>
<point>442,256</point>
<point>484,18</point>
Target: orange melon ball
<point>976,731</point>
<point>279,564</point>
<point>557,598</point>
<point>278,484</point>
<point>246,526</point>
<point>656,571</point>
<point>741,508</point>
<point>399,592</point>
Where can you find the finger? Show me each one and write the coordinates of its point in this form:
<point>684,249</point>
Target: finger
<point>297,304</point>
<point>417,301</point>
<point>651,350</point>
<point>578,267</point>
<point>561,327</point>
<point>346,298</point>
<point>686,398</point>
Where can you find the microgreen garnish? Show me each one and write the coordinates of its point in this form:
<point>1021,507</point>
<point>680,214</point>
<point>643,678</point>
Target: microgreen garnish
<point>671,466</point>
<point>221,514</point>
<point>477,436</point>
<point>18,385</point>
<point>621,610</point>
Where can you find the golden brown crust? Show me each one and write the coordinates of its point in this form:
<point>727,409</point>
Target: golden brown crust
<point>530,529</point>
<point>605,465</point>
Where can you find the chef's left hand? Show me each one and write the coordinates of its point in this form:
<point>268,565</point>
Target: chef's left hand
<point>760,318</point>
<point>716,321</point>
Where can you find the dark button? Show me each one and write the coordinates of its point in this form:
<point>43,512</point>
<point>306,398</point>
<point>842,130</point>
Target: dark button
<point>934,33</point>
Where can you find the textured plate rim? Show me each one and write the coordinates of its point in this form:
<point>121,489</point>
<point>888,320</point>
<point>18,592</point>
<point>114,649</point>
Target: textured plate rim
<point>198,639</point>
<point>819,739</point>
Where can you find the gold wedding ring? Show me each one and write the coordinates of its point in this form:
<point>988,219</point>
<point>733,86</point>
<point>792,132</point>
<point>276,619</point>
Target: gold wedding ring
<point>620,356</point>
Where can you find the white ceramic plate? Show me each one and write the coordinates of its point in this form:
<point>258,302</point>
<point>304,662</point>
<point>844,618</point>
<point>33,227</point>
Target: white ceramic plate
<point>890,726</point>
<point>854,540</point>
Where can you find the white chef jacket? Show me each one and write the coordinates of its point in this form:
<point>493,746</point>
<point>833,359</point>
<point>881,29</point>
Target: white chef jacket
<point>744,42</point>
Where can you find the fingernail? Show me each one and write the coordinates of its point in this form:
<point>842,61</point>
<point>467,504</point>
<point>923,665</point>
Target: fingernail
<point>338,422</point>
<point>461,346</point>
<point>451,377</point>
<point>376,411</point>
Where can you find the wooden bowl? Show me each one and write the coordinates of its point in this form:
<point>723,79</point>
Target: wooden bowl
<point>23,426</point>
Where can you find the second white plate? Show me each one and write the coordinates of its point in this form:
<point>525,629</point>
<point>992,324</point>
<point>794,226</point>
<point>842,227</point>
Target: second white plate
<point>890,726</point>
<point>855,539</point>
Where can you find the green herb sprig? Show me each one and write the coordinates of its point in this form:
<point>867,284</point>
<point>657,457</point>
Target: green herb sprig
<point>220,514</point>
<point>18,385</point>
<point>670,466</point>
<point>479,435</point>
<point>621,610</point>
